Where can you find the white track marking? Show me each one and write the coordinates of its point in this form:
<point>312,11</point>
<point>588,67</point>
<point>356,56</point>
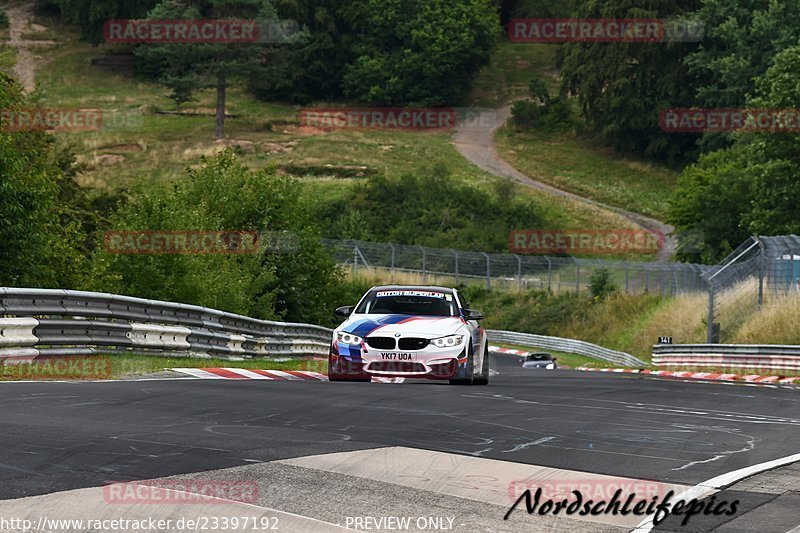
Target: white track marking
<point>248,374</point>
<point>715,484</point>
<point>198,373</point>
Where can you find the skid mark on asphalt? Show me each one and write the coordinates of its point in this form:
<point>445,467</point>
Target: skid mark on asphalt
<point>485,480</point>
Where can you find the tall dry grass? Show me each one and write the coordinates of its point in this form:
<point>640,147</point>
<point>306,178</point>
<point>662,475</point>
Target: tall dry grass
<point>778,322</point>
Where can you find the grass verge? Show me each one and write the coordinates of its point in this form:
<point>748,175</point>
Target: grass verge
<point>130,366</point>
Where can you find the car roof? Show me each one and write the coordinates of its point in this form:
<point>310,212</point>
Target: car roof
<point>412,288</point>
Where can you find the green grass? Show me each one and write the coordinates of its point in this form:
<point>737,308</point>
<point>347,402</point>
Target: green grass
<point>509,73</point>
<point>160,147</point>
<point>578,165</point>
<point>128,366</point>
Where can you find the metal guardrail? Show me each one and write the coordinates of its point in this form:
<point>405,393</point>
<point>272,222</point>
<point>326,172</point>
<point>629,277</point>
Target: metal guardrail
<point>762,356</point>
<point>64,322</point>
<point>564,345</point>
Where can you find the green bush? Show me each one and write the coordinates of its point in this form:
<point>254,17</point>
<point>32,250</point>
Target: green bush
<point>294,279</point>
<point>542,112</point>
<point>434,209</point>
<point>601,286</point>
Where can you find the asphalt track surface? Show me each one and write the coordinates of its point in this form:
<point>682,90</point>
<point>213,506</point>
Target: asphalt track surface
<point>62,436</point>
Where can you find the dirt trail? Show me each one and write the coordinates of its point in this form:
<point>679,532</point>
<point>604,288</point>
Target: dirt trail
<point>19,22</point>
<point>476,144</point>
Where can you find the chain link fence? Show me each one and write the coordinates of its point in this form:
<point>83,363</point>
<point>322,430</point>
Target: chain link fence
<point>762,271</point>
<point>405,263</point>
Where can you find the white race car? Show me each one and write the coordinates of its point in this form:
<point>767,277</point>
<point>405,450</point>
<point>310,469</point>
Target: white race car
<point>413,332</point>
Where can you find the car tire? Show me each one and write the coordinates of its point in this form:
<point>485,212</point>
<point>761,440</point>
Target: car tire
<point>468,377</point>
<point>335,375</point>
<point>483,379</point>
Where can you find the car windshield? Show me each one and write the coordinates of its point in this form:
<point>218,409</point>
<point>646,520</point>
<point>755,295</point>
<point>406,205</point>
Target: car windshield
<point>538,357</point>
<point>409,302</point>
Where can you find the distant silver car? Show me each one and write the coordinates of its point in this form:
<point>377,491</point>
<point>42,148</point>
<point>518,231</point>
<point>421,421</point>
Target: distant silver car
<point>540,360</point>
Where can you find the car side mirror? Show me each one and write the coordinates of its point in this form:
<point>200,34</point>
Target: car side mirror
<point>345,310</point>
<point>472,314</point>
<point>555,359</point>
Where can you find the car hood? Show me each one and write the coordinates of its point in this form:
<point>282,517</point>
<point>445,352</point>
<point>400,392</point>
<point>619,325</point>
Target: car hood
<point>424,326</point>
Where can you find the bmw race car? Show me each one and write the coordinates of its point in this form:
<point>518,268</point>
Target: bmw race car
<point>412,332</point>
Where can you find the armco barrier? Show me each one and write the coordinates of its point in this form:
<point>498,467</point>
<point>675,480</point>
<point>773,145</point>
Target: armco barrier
<point>762,356</point>
<point>564,345</point>
<point>55,322</point>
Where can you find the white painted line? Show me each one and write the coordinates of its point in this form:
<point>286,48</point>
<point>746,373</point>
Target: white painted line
<point>198,373</point>
<point>284,375</point>
<point>248,374</point>
<point>720,482</point>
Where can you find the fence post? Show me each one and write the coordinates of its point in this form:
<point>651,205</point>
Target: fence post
<point>577,277</point>
<point>519,271</point>
<point>761,261</point>
<point>392,247</point>
<point>627,272</point>
<point>455,253</point>
<point>488,271</point>
<point>646,279</point>
<point>710,336</point>
<point>549,274</point>
<point>424,266</point>
<point>355,258</point>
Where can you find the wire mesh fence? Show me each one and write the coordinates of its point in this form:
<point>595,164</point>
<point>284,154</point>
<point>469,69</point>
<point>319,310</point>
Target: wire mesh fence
<point>762,271</point>
<point>554,274</point>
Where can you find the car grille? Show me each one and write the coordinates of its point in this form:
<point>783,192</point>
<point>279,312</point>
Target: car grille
<point>381,343</point>
<point>396,367</point>
<point>412,343</point>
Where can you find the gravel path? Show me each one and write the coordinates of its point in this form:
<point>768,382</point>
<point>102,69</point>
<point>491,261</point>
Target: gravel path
<point>19,18</point>
<point>476,144</point>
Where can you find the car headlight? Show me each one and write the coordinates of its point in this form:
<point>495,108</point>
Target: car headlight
<point>348,338</point>
<point>448,342</point>
<point>551,366</point>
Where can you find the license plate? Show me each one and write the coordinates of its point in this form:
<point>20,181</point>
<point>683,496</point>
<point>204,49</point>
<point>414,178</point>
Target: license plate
<point>397,356</point>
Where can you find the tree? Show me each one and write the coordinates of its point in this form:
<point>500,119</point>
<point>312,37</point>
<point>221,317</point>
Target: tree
<point>187,68</point>
<point>91,15</point>
<point>422,52</point>
<point>752,186</point>
<point>292,278</point>
<point>313,71</point>
<point>623,87</point>
<point>40,240</point>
